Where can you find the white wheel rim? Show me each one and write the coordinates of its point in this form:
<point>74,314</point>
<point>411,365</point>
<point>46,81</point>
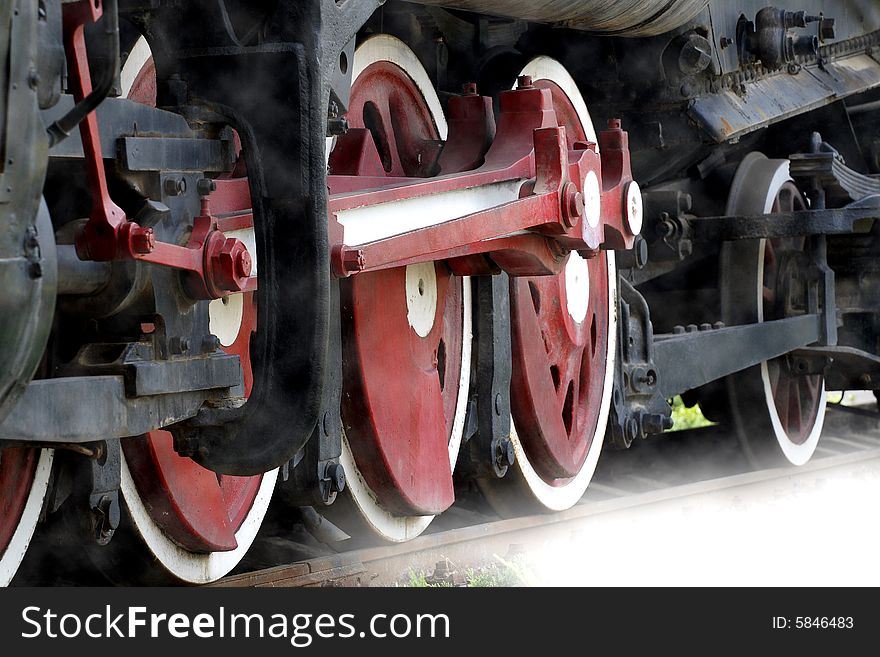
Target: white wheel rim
<point>566,495</point>
<point>797,454</point>
<point>191,567</point>
<point>140,54</point>
<point>14,553</point>
<point>547,68</point>
<point>386,48</point>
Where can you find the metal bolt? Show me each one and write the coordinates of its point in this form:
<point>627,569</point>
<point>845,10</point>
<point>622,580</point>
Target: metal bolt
<point>210,344</point>
<point>691,328</point>
<point>655,422</point>
<point>205,186</point>
<point>632,429</point>
<point>705,327</point>
<point>666,227</point>
<point>718,325</point>
<point>724,42</point>
<point>678,330</point>
<point>640,250</point>
<point>143,240</point>
<point>469,89</point>
<point>573,205</point>
<point>337,126</point>
<point>175,186</point>
<point>614,124</point>
<point>524,82</point>
<point>178,345</point>
<point>505,454</point>
<point>243,264</point>
<point>695,54</point>
<point>336,475</point>
<point>353,260</point>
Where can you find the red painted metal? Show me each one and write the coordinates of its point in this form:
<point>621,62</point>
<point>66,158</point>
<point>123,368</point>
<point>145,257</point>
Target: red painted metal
<point>217,266</point>
<point>558,364</point>
<point>559,369</point>
<point>17,468</point>
<point>471,121</point>
<point>400,389</point>
<point>195,507</point>
<point>143,87</point>
<point>391,109</point>
<point>531,143</point>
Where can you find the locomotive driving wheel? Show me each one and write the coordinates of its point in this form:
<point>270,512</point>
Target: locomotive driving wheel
<point>406,331</point>
<point>777,412</point>
<point>24,480</point>
<point>563,337</point>
<point>196,524</point>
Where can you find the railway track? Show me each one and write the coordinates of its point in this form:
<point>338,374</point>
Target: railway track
<point>685,468</point>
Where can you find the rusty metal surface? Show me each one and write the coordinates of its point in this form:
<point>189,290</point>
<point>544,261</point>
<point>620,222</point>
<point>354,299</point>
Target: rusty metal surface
<point>851,18</point>
<point>730,115</point>
<point>623,17</point>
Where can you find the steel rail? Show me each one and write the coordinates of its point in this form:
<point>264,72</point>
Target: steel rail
<point>475,544</point>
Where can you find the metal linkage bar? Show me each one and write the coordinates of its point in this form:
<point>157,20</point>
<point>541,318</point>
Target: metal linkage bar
<point>488,445</point>
<point>688,360</point>
<point>216,265</point>
<point>837,221</point>
<point>530,185</point>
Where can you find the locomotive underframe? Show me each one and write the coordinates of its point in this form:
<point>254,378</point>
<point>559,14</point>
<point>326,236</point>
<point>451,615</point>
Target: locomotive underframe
<point>211,82</point>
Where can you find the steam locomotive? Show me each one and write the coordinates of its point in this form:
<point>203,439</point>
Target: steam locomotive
<point>353,256</point>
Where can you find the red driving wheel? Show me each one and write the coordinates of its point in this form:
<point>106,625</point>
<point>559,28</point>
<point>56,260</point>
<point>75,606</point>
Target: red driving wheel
<point>24,480</point>
<point>563,335</point>
<point>406,331</point>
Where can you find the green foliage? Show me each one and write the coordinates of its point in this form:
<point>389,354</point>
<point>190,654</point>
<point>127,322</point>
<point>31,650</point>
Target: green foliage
<point>502,572</point>
<point>687,418</point>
